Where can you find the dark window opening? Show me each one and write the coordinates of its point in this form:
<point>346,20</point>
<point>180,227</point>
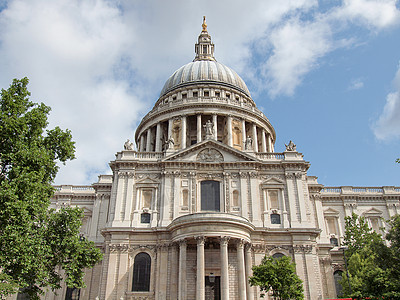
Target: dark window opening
<point>210,195</point>
<point>195,94</point>
<point>192,142</point>
<point>141,273</point>
<point>204,49</point>
<point>72,294</point>
<point>184,96</point>
<point>334,242</point>
<point>217,94</point>
<point>278,255</point>
<point>206,93</point>
<point>275,219</point>
<point>145,218</point>
<point>337,276</point>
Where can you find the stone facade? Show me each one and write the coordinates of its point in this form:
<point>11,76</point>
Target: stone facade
<point>205,197</point>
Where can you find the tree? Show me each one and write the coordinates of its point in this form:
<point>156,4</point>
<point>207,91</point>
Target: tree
<point>371,268</point>
<point>35,242</point>
<point>278,275</point>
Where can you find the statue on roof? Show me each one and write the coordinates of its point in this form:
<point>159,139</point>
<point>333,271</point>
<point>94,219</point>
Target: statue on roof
<point>128,145</point>
<point>290,147</point>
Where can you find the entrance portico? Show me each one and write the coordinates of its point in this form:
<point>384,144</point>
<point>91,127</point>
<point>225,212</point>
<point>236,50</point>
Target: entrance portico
<point>213,253</point>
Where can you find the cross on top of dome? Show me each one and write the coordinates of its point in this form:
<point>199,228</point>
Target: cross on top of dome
<point>204,48</point>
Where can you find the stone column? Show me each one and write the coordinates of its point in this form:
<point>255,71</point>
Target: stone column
<point>169,129</point>
<point>200,282</point>
<point>182,270</point>
<point>199,128</point>
<point>158,138</point>
<point>243,134</point>
<point>148,143</point>
<point>141,142</point>
<point>174,272</point>
<point>229,127</point>
<point>241,270</point>
<point>263,141</point>
<point>249,273</point>
<point>183,133</point>
<point>255,141</point>
<point>270,144</point>
<point>214,117</point>
<point>224,268</point>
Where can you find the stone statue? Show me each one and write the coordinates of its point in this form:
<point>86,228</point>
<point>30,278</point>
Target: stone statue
<point>291,146</point>
<point>169,144</point>
<point>209,128</point>
<point>248,143</point>
<point>128,145</point>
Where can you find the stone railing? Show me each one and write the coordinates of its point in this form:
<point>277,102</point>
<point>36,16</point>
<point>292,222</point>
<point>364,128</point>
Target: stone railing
<point>360,190</point>
<point>134,155</point>
<point>270,156</point>
<point>73,188</point>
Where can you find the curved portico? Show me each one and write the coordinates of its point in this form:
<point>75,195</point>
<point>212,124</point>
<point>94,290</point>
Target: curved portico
<point>206,234</point>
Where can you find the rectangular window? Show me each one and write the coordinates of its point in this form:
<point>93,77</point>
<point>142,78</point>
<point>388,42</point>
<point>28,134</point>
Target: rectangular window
<point>206,93</point>
<point>195,94</point>
<point>273,199</point>
<point>147,196</point>
<point>210,195</point>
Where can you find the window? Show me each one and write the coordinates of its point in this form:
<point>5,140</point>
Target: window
<point>337,276</point>
<point>277,255</point>
<point>235,198</point>
<point>217,94</point>
<point>206,93</point>
<point>195,94</point>
<point>72,294</point>
<point>228,95</point>
<point>275,219</point>
<point>204,49</point>
<point>147,196</point>
<point>184,96</point>
<point>185,197</point>
<point>210,195</point>
<point>334,242</point>
<point>145,218</point>
<point>141,273</point>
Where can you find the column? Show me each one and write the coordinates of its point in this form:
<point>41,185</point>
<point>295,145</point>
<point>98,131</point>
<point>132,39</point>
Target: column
<point>263,141</point>
<point>183,133</point>
<point>229,125</point>
<point>141,143</point>
<point>169,129</point>
<point>241,274</point>
<point>270,145</point>
<point>249,273</point>
<point>174,272</point>
<point>224,268</point>
<point>243,134</point>
<point>200,282</point>
<point>158,138</point>
<point>255,142</point>
<point>198,128</point>
<point>182,270</point>
<point>214,117</point>
<point>148,144</point>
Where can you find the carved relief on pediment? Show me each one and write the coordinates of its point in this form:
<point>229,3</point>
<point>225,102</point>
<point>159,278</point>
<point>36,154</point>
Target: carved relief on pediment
<point>210,155</point>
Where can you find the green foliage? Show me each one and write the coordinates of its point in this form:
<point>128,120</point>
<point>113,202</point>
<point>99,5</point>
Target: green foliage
<point>371,263</point>
<point>278,275</point>
<point>34,241</point>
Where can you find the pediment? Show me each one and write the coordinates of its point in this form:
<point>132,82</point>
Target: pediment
<point>331,212</point>
<point>146,179</point>
<point>273,181</point>
<point>372,212</point>
<point>210,151</point>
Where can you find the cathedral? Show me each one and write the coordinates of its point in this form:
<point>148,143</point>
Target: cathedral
<point>205,197</point>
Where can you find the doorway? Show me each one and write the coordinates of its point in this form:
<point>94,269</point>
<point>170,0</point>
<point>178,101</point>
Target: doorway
<point>213,288</point>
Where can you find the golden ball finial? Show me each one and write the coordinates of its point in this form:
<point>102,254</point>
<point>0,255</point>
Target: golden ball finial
<point>204,25</point>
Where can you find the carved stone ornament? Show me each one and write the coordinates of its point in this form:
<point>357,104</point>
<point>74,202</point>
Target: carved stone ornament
<point>210,155</point>
<point>290,147</point>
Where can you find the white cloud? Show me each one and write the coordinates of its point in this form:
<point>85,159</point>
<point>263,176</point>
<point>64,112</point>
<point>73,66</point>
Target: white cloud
<point>388,125</point>
<point>356,84</point>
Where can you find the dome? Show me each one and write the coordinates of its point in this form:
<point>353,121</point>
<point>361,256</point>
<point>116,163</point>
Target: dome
<point>208,71</point>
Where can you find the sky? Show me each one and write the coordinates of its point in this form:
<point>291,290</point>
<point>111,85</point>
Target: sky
<point>325,73</point>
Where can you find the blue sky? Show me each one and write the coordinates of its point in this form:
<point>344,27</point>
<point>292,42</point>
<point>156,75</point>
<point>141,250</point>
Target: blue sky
<point>326,73</point>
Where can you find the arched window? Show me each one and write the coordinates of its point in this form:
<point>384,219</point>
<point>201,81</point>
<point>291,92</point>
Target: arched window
<point>278,255</point>
<point>141,273</point>
<point>210,195</point>
<point>275,219</point>
<point>334,242</point>
<point>145,218</point>
<point>337,276</point>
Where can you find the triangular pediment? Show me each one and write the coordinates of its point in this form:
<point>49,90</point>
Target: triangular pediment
<point>331,212</point>
<point>210,151</point>
<point>372,212</point>
<point>146,179</point>
<point>273,180</point>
